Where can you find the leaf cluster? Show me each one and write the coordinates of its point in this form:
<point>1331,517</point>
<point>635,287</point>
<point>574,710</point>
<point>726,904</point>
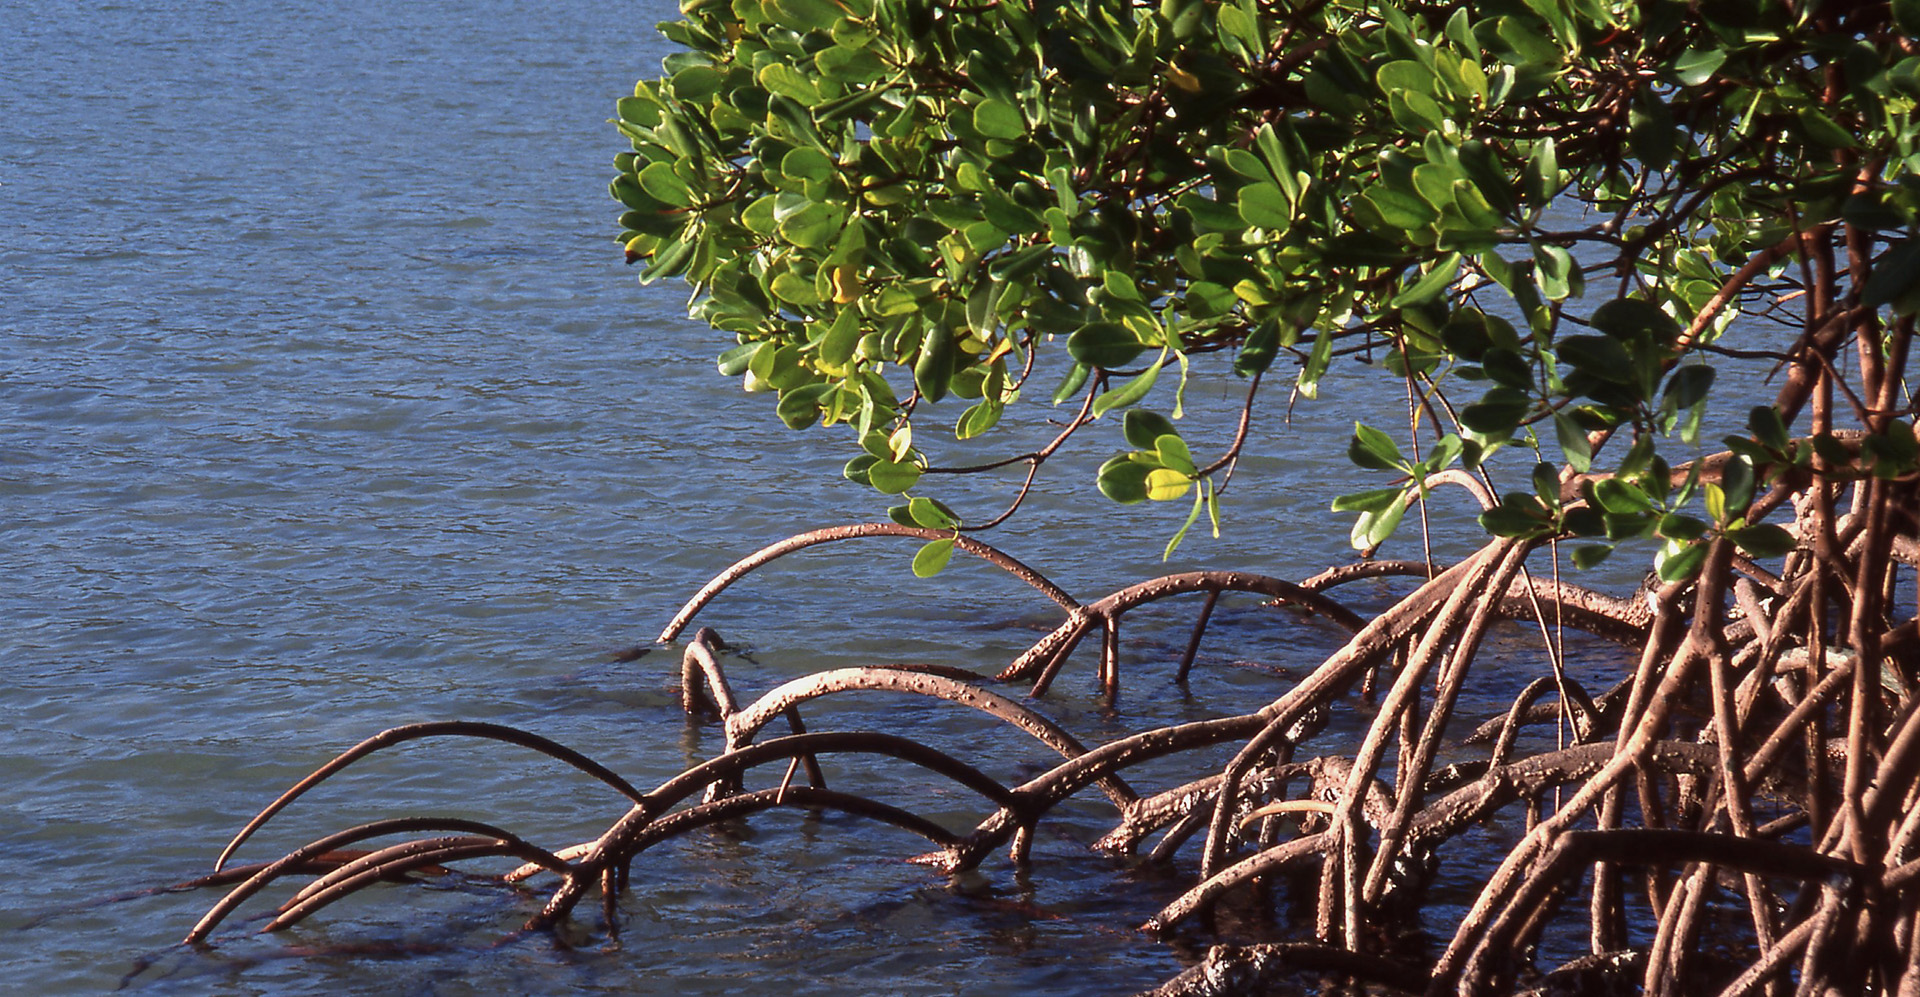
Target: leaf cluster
<point>1552,213</point>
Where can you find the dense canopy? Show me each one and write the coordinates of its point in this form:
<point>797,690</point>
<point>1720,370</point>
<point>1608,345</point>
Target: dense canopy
<point>891,203</point>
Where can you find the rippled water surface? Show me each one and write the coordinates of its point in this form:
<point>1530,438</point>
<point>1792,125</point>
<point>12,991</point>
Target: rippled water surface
<point>326,405</point>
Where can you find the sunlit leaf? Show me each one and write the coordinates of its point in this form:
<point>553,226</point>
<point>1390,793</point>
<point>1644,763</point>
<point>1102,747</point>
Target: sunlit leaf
<point>933,558</point>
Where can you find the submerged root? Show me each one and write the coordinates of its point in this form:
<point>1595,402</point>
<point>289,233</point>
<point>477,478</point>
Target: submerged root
<point>1739,760</point>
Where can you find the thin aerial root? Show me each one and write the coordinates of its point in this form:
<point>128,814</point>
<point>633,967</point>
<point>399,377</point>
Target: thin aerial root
<point>437,851</point>
<point>790,797</point>
<point>1289,807</point>
<point>1193,643</point>
<point>1209,891</point>
<point>412,732</point>
<point>747,722</point>
<point>743,758</point>
<point>962,543</point>
<point>1354,571</point>
<point>1047,655</point>
<point>532,869</point>
<point>1110,658</point>
<point>370,865</point>
<point>293,861</point>
<point>703,682</point>
<point>815,777</point>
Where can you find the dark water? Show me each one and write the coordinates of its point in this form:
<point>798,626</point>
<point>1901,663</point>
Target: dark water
<point>327,405</point>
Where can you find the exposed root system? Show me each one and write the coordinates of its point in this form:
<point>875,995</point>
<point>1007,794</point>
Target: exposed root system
<point>1763,756</point>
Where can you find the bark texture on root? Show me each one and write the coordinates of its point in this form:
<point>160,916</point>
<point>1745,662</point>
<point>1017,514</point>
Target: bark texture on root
<point>1765,748</point>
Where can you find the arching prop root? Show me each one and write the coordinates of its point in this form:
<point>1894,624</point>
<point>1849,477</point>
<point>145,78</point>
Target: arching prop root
<point>1736,766</point>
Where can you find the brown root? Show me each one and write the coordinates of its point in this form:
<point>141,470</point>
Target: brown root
<point>1765,747</point>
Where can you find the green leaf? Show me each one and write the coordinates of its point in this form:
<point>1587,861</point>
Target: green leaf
<point>1762,540</point>
<point>1165,483</point>
<point>1573,442</point>
<point>1622,497</point>
<point>857,469</point>
<point>1371,500</point>
<point>983,415</point>
<point>1767,426</point>
<point>848,65</point>
<point>1556,270</point>
<point>1906,13</point>
<point>1263,205</point>
<point>1437,278</point>
<point>1715,498</point>
<point>1371,448</point>
<point>1498,413</point>
<point>1681,564</point>
<point>1193,516</point>
<point>1316,365</point>
<point>1507,368</point>
<point>1831,449</point>
<point>1135,389</point>
<point>1689,385</point>
<point>843,336</point>
<point>998,119</point>
<point>1105,344</point>
<point>1823,131</point>
<point>780,78</point>
<point>813,226</point>
<point>933,557</point>
<point>733,362</point>
<point>800,407</point>
<point>892,477</point>
<point>1652,133</point>
<point>1400,210</point>
<point>1257,353</point>
<point>1583,521</point>
<point>1072,383</point>
<point>1696,66</point>
<point>1546,484</point>
<point>1144,427</point>
<point>1516,516</point>
<point>1588,555</point>
<point>1173,453</point>
<point>794,289</point>
<point>1543,173</point>
<point>1246,164</point>
<point>1404,74</point>
<point>1124,480</point>
<point>1736,481</point>
<point>933,371</point>
<point>930,514</point>
<point>1676,526</point>
<point>1635,321</point>
<point>1371,529</point>
<point>806,163</point>
<point>1598,356</point>
<point>664,185</point>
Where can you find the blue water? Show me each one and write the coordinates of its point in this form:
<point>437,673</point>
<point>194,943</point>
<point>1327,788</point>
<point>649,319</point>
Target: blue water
<point>326,404</point>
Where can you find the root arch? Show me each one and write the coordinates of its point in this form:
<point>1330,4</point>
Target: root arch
<point>1699,768</point>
